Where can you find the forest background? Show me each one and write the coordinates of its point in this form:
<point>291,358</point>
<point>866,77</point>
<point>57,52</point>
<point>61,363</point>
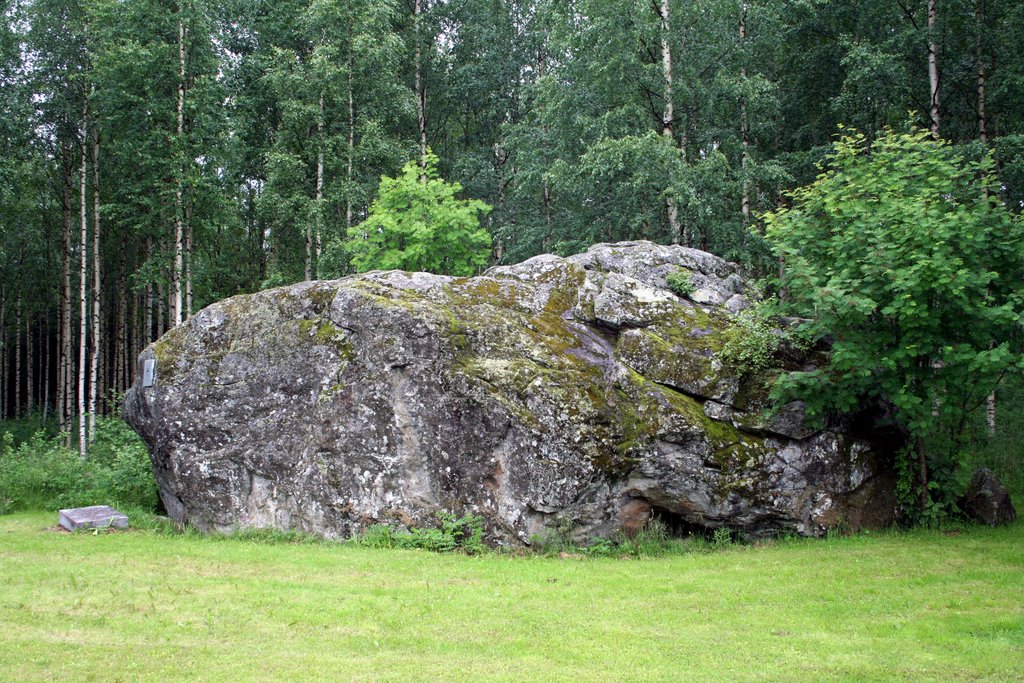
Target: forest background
<point>158,156</point>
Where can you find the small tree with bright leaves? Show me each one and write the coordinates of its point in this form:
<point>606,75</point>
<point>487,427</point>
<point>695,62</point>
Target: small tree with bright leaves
<point>901,254</point>
<point>417,223</point>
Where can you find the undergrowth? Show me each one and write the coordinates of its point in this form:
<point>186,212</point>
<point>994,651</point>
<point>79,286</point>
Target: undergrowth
<point>452,533</point>
<point>1001,452</point>
<point>38,471</point>
<point>464,535</point>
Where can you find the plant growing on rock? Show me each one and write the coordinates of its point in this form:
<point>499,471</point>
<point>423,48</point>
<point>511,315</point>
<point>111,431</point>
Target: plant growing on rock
<point>750,346</point>
<point>680,283</point>
<point>903,256</point>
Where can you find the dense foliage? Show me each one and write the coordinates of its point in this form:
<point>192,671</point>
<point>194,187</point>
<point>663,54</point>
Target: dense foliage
<point>901,255</point>
<point>417,223</point>
<point>40,472</point>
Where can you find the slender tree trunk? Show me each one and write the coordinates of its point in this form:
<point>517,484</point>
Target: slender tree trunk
<point>3,371</point>
<point>744,122</point>
<point>933,69</point>
<point>160,301</point>
<point>4,374</point>
<point>188,259</point>
<point>162,297</point>
<point>132,336</point>
<point>420,85</point>
<point>548,224</point>
<point>309,253</point>
<point>44,389</point>
<point>58,387</point>
<point>922,465</point>
<point>979,58</point>
<point>179,238</point>
<point>545,190</point>
<point>990,402</point>
<point>140,338</point>
<point>990,405</point>
<point>120,345</point>
<point>94,369</point>
<point>668,115</point>
<point>500,159</point>
<point>17,358</point>
<point>990,413</point>
<point>135,337</point>
<point>30,374</point>
<point>318,226</point>
<point>351,144</point>
<point>3,352</point>
<point>65,317</point>
<point>171,291</point>
<point>148,324</point>
<point>83,303</point>
<point>104,369</point>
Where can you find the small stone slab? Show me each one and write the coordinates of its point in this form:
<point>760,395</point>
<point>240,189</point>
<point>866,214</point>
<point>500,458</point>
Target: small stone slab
<point>92,517</point>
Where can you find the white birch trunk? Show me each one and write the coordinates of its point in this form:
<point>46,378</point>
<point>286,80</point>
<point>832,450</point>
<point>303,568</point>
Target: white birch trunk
<point>744,122</point>
<point>176,274</point>
<point>990,413</point>
<point>318,225</point>
<point>94,370</point>
<point>351,145</point>
<point>933,69</point>
<point>82,301</point>
<point>668,115</point>
<point>188,260</point>
<point>148,324</point>
<point>421,88</point>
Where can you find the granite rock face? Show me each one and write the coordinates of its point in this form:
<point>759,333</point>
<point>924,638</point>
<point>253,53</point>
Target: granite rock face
<point>573,394</point>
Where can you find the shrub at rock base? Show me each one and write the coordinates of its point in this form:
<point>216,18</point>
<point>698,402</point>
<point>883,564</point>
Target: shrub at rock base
<point>41,473</point>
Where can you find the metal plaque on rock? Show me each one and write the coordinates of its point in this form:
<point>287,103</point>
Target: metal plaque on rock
<point>148,372</point>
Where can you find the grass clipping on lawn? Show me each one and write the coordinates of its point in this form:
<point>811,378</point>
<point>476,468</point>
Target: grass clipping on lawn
<point>141,605</point>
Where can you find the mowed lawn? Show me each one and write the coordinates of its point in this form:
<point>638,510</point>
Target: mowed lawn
<point>141,605</point>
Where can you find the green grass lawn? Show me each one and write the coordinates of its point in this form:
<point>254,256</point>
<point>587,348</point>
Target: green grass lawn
<point>141,605</point>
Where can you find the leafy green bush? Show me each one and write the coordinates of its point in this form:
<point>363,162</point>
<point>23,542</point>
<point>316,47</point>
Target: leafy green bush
<point>418,222</point>
<point>452,533</point>
<point>680,283</point>
<point>903,255</point>
<point>41,473</point>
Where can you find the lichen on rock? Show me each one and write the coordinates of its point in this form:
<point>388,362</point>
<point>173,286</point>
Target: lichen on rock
<point>557,393</point>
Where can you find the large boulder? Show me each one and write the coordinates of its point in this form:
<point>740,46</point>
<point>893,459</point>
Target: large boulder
<point>986,500</point>
<point>573,394</point>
